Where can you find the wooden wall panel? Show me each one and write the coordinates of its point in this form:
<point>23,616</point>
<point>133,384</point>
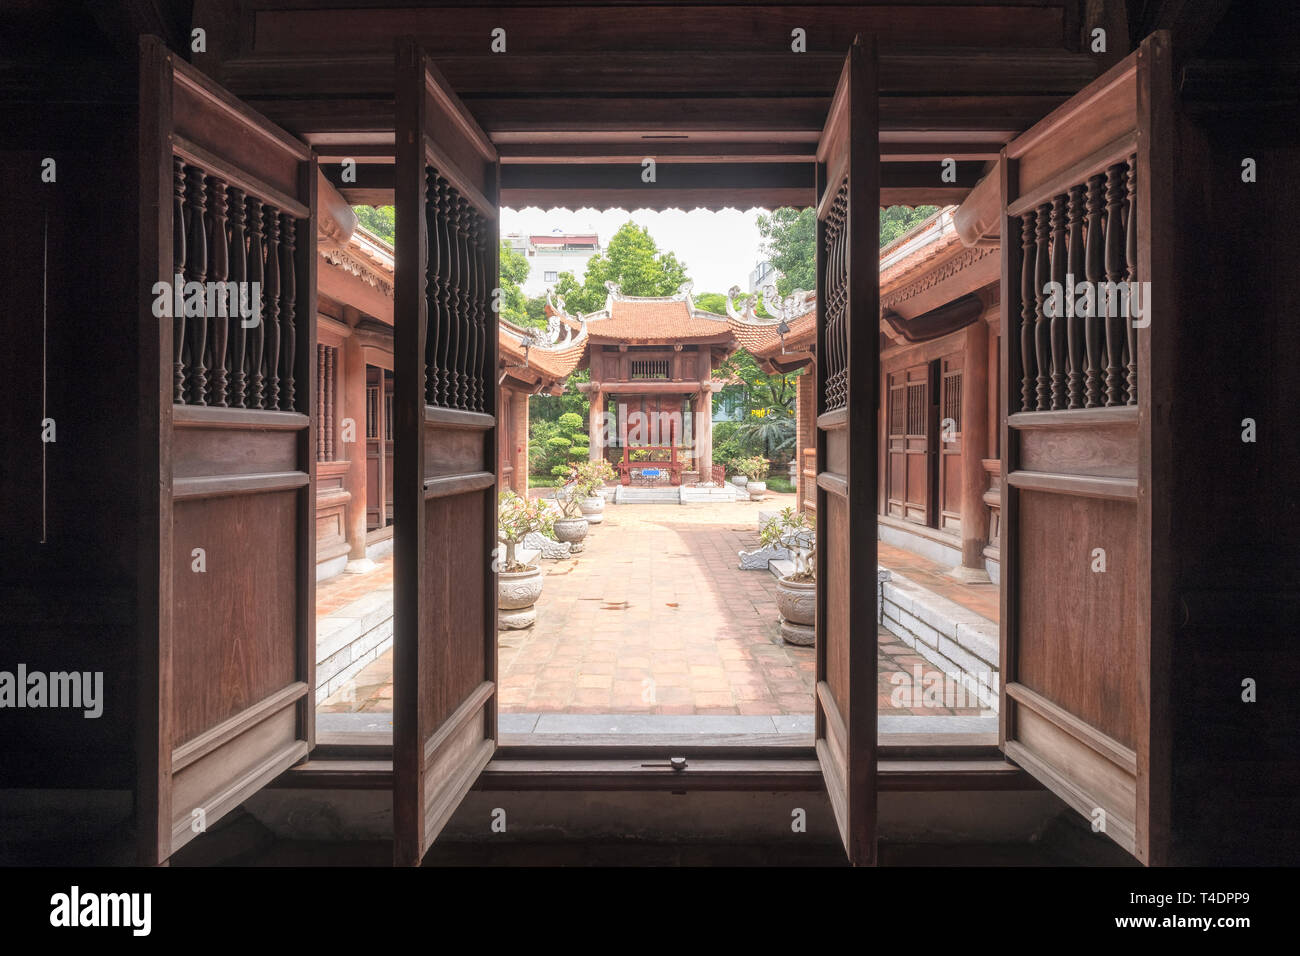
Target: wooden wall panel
<point>231,622</point>
<point>1076,625</point>
<point>449,610</point>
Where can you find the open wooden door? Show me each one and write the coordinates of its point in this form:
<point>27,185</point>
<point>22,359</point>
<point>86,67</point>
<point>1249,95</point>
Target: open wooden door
<point>1086,611</point>
<point>445,337</point>
<point>228,520</point>
<point>848,364</point>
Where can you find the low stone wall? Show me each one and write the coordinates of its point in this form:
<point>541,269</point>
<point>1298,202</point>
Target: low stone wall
<point>956,640</point>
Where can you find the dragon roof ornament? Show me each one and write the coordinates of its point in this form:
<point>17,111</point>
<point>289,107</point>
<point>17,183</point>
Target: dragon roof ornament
<point>782,308</point>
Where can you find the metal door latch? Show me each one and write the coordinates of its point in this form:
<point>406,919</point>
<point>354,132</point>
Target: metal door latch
<point>677,763</point>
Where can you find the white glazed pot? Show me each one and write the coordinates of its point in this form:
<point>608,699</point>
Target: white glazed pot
<point>757,489</point>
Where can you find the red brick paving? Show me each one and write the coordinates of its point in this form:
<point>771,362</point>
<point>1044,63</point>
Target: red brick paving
<point>655,617</point>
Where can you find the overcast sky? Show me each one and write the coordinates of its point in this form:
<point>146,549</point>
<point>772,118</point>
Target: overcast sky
<point>719,248</point>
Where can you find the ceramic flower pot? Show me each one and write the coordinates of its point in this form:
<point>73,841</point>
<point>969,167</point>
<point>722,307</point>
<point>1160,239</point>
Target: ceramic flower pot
<point>797,603</point>
<point>593,509</point>
<point>519,589</point>
<point>572,530</point>
<point>757,489</point>
<point>739,481</point>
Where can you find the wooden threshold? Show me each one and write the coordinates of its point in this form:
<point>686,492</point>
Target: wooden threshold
<point>907,763</point>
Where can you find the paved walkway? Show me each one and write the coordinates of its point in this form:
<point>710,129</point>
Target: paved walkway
<point>655,618</point>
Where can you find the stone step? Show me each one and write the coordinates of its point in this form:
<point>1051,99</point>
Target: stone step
<point>707,494</point>
<point>647,496</point>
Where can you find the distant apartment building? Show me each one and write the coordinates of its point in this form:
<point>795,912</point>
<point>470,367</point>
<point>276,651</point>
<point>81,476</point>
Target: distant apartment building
<point>551,253</point>
<point>763,274</point>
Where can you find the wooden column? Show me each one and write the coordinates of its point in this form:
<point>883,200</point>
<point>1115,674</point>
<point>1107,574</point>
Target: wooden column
<point>519,431</point>
<point>596,427</point>
<point>702,406</point>
<point>974,439</point>
<point>352,393</point>
<point>805,413</point>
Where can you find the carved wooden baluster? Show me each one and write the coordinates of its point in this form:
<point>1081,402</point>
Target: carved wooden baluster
<point>841,249</point>
<point>1027,401</point>
<point>328,382</point>
<point>1074,324</point>
<point>288,300</point>
<point>487,289</point>
<point>196,268</point>
<point>1059,256</point>
<point>271,217</point>
<point>438,295</point>
<point>465,289</point>
<point>433,275</point>
<point>320,403</point>
<point>1115,271</point>
<point>179,228</point>
<point>476,330</point>
<point>1095,267</point>
<point>238,257</point>
<point>455,276</point>
<point>1042,338</point>
<point>466,293</point>
<point>218,271</point>
<point>447,323</point>
<point>256,277</point>
<point>1130,257</point>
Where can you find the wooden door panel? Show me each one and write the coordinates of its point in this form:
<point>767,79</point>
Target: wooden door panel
<point>1078,635</point>
<point>445,437</point>
<point>231,664</point>
<point>848,350</point>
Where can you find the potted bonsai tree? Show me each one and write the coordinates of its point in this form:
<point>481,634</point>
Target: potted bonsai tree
<point>572,524</point>
<point>755,471</point>
<point>519,585</point>
<point>592,476</point>
<point>796,593</point>
<point>738,478</point>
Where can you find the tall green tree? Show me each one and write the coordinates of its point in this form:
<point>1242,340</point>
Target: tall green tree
<point>633,260</point>
<point>381,220</point>
<point>790,244</point>
<point>515,306</point>
<point>790,240</point>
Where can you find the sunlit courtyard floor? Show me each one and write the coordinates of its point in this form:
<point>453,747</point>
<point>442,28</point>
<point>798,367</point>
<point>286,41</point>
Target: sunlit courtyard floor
<point>654,617</point>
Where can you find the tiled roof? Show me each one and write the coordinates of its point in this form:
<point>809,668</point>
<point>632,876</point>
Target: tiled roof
<point>647,320</point>
<point>554,364</point>
<point>761,339</point>
<point>650,321</point>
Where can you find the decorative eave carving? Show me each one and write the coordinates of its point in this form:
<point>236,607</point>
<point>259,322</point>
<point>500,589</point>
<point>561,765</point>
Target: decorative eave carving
<point>932,277</point>
<point>342,259</point>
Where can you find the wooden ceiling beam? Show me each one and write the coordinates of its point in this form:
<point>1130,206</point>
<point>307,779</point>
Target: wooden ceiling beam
<point>721,119</point>
<point>580,30</point>
<point>966,71</point>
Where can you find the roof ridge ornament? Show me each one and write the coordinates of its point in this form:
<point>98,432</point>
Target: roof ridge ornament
<point>788,308</point>
<point>616,294</point>
<point>745,312</point>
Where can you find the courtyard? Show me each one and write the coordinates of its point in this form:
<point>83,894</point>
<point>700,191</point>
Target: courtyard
<point>653,618</point>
